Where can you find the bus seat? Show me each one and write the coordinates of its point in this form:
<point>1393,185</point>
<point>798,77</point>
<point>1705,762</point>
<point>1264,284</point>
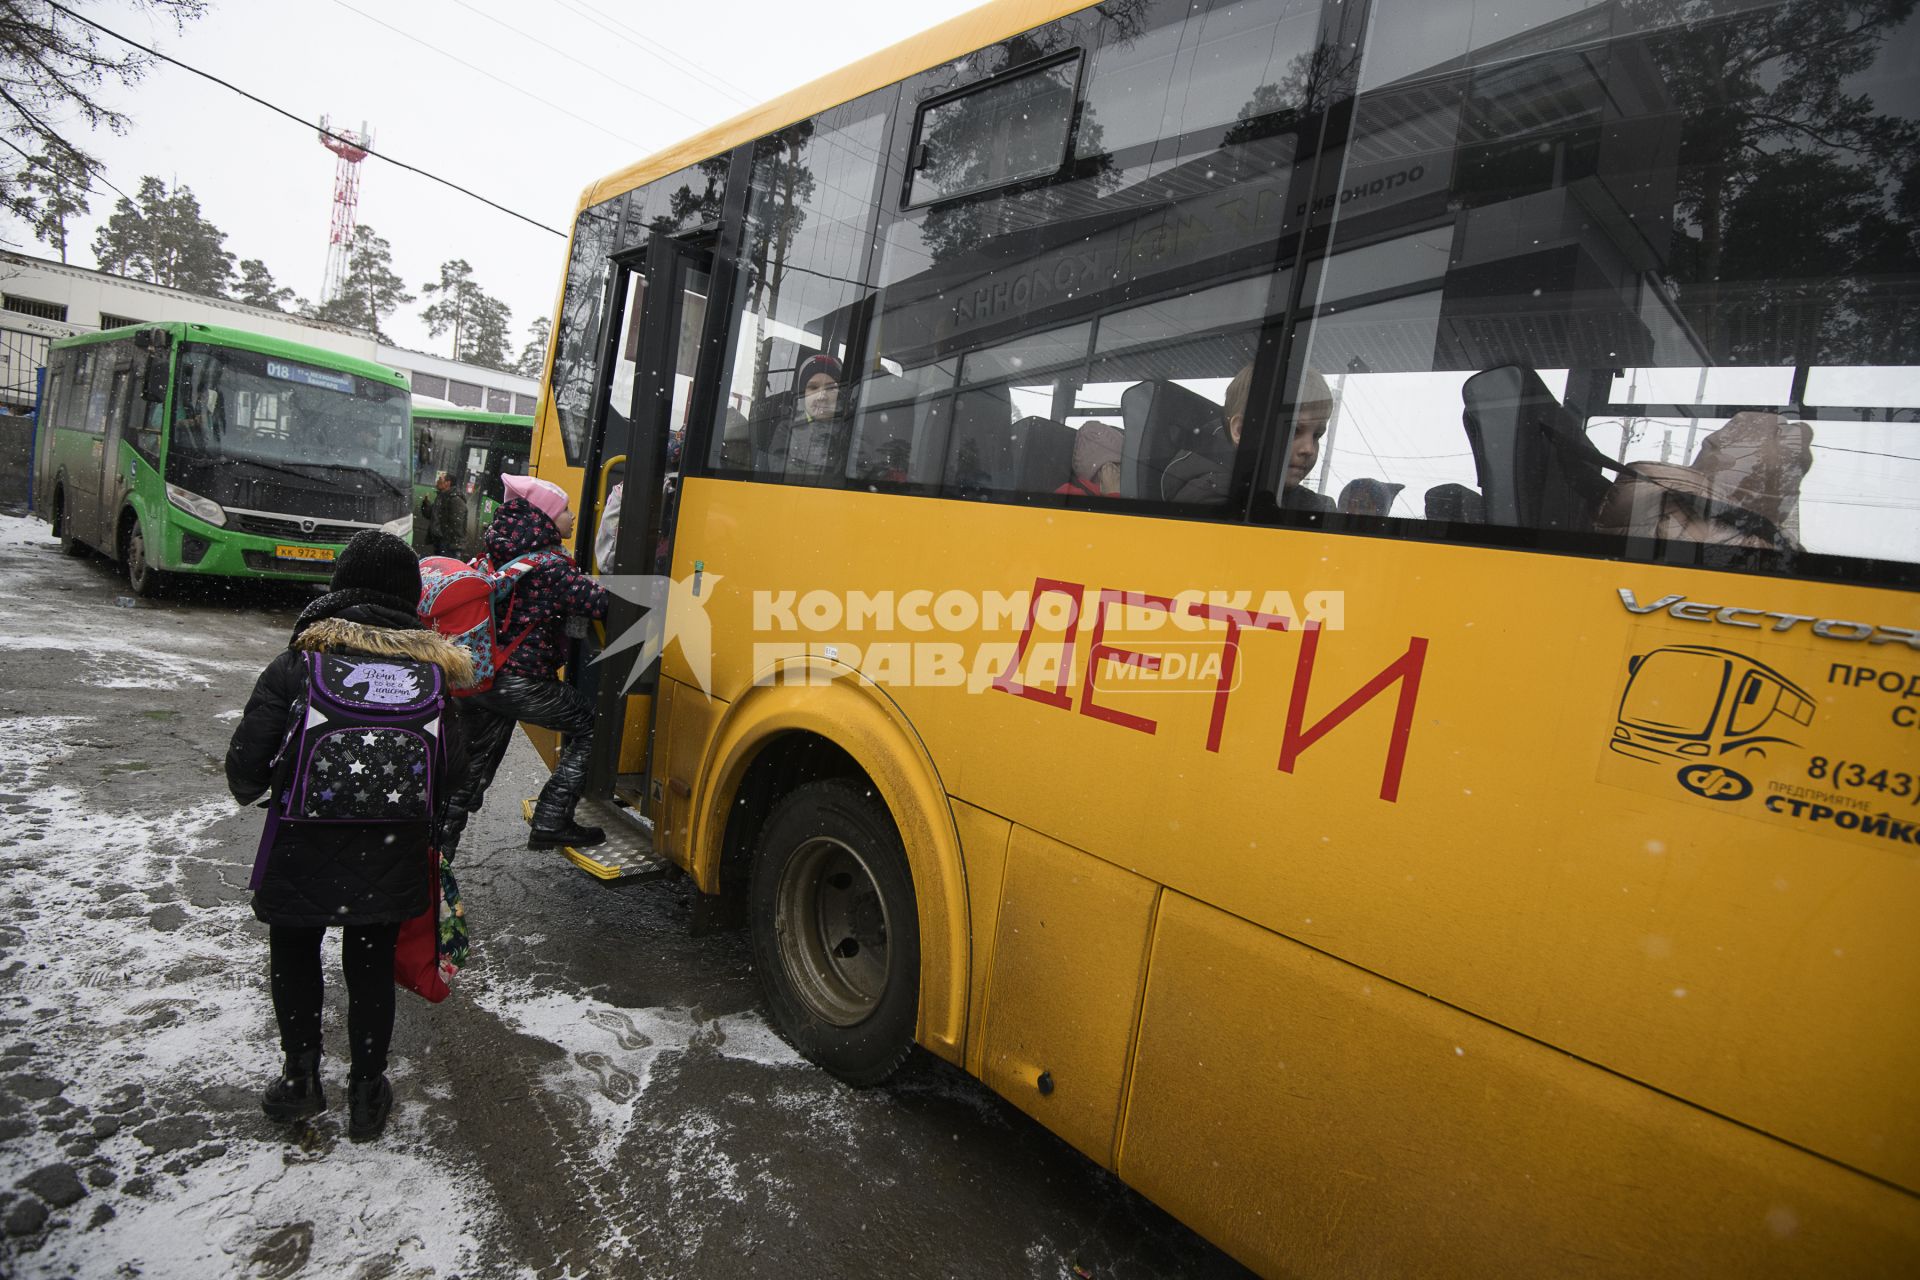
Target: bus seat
<point>1741,490</point>
<point>1537,468</point>
<point>980,441</point>
<point>1455,502</point>
<point>1046,454</point>
<point>1162,419</point>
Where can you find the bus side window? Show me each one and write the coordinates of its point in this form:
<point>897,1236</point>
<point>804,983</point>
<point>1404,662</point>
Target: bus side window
<point>1701,396</point>
<point>99,393</point>
<point>810,211</point>
<point>58,365</point>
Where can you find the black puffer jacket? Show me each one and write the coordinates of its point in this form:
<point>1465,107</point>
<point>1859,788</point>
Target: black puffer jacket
<point>346,874</point>
<point>546,596</point>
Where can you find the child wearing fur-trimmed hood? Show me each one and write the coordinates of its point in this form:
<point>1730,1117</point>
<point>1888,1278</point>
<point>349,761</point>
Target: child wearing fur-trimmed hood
<point>366,877</point>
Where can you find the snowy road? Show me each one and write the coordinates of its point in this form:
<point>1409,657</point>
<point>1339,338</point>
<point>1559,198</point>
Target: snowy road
<point>600,1096</point>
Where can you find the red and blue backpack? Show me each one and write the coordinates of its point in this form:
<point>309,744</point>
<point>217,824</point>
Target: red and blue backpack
<point>472,603</point>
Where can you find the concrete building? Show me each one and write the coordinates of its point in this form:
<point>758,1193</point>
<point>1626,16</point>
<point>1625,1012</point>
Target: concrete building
<point>41,300</point>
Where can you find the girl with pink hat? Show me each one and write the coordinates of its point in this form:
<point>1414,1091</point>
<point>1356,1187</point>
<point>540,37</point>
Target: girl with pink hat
<point>534,521</point>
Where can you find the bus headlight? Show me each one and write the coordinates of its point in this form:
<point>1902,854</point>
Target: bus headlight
<point>196,506</point>
<point>401,528</point>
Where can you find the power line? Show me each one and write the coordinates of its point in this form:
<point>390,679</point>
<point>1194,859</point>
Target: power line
<point>607,22</point>
<point>251,97</point>
<point>554,106</point>
<point>90,173</point>
<point>616,83</point>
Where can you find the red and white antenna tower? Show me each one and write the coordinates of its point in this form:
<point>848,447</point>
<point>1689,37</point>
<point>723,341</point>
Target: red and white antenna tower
<point>351,147</point>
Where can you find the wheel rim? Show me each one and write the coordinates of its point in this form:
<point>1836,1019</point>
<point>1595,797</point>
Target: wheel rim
<point>136,559</point>
<point>832,925</point>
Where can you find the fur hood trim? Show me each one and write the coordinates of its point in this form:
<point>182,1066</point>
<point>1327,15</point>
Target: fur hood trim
<point>338,635</point>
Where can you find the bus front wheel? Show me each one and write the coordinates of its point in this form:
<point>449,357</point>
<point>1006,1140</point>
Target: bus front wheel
<point>836,938</point>
<point>145,580</point>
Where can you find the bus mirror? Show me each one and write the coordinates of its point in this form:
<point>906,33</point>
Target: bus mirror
<point>153,383</point>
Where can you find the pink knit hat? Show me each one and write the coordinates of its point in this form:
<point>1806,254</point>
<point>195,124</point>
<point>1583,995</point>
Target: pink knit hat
<point>543,494</point>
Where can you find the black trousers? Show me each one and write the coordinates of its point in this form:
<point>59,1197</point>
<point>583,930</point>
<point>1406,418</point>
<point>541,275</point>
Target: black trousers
<point>366,958</point>
<point>489,719</point>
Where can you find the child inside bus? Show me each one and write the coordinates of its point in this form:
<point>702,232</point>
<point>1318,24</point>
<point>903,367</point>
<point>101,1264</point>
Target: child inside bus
<point>1204,473</point>
<point>1096,461</point>
<point>807,447</point>
<point>535,518</point>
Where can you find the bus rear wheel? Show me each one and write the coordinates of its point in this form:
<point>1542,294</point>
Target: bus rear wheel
<point>145,580</point>
<point>836,937</point>
<point>63,526</point>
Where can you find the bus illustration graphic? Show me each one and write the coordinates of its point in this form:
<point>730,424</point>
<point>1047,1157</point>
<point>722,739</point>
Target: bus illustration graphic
<point>1694,702</point>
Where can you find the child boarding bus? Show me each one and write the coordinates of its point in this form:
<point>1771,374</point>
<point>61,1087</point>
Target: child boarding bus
<point>1175,498</point>
<point>473,449</point>
<point>192,449</point>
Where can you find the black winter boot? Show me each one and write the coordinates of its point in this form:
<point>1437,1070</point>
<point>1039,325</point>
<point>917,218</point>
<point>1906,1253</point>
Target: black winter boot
<point>369,1103</point>
<point>567,834</point>
<point>296,1094</point>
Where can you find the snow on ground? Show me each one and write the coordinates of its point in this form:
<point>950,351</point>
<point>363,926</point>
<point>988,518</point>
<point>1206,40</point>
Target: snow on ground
<point>611,1052</point>
<point>132,984</point>
<point>135,1009</point>
<point>24,531</point>
<point>136,648</point>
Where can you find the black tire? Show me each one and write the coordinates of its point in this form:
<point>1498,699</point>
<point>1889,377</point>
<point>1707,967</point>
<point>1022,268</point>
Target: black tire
<point>143,579</point>
<point>836,937</point>
<point>63,526</point>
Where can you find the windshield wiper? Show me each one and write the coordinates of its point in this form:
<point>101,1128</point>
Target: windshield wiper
<point>249,460</point>
<point>393,485</point>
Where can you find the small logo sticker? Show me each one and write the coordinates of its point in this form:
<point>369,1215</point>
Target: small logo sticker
<point>1713,782</point>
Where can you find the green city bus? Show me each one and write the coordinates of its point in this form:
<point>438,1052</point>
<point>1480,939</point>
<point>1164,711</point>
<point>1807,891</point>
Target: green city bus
<point>475,449</point>
<point>191,449</point>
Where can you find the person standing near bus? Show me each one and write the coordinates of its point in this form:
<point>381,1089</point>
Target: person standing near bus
<point>359,868</point>
<point>534,518</point>
<point>448,533</point>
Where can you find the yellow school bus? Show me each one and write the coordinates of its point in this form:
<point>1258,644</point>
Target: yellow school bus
<point>1319,592</point>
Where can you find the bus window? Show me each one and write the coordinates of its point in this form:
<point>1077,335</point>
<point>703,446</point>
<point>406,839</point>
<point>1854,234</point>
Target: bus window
<point>99,392</point>
<point>1177,73</point>
<point>809,211</point>
<point>1130,291</point>
<point>1013,128</point>
<point>576,345</point>
<point>53,398</point>
<point>1631,302</point>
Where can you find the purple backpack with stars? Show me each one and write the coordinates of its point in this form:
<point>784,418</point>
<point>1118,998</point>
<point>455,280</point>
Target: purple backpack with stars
<point>367,748</point>
<point>364,745</point>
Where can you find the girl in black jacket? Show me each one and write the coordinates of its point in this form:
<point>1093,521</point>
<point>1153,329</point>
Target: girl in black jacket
<point>368,878</point>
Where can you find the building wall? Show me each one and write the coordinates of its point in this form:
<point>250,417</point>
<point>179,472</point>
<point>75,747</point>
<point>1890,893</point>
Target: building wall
<point>41,300</point>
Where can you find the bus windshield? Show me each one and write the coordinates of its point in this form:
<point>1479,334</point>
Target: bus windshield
<point>258,431</point>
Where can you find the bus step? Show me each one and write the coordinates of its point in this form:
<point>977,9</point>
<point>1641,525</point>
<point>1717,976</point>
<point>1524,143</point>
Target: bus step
<point>627,856</point>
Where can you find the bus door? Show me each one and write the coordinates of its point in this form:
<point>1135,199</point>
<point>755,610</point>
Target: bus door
<point>115,479</point>
<point>84,415</point>
<point>643,405</point>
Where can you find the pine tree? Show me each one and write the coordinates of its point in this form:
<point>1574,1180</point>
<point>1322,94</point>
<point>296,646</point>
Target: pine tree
<point>454,310</point>
<point>256,287</point>
<point>52,67</point>
<point>60,184</point>
<point>160,236</point>
<point>480,323</point>
<point>488,334</point>
<point>533,356</point>
<point>371,291</point>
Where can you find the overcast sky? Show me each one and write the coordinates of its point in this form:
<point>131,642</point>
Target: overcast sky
<point>268,183</point>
